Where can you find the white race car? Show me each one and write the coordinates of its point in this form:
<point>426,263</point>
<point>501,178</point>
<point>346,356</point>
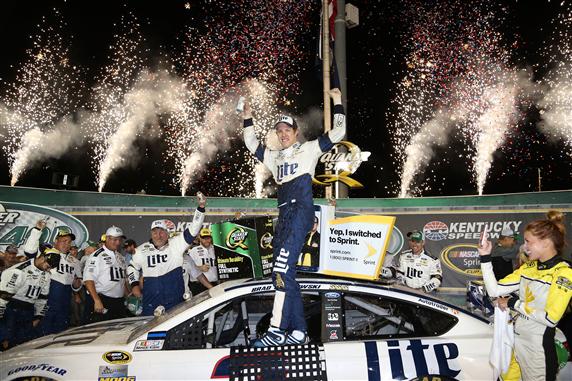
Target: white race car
<point>358,330</point>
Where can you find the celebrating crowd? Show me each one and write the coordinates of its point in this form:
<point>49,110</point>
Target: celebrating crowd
<point>47,288</point>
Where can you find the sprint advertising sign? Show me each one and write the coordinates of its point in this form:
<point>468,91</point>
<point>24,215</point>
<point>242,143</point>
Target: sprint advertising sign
<point>356,246</point>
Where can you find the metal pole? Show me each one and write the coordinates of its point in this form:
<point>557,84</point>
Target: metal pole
<point>340,53</point>
<point>326,73</point>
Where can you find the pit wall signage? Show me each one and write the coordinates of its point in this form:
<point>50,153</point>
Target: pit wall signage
<point>453,237</point>
<point>243,248</point>
<point>356,246</point>
<point>341,165</point>
<point>17,219</point>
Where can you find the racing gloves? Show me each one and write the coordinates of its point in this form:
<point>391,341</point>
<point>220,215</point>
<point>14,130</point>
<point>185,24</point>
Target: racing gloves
<point>431,285</point>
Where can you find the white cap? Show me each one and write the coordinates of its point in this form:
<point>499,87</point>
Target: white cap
<point>288,120</point>
<point>159,224</point>
<point>114,231</point>
<point>507,232</point>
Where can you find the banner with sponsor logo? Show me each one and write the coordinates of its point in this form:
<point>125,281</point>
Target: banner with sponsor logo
<point>243,248</point>
<point>16,221</point>
<point>341,163</point>
<point>453,238</point>
<point>356,246</point>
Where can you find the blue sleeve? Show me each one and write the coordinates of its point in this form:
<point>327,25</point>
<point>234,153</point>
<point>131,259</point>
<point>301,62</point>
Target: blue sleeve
<point>325,143</point>
<point>259,154</point>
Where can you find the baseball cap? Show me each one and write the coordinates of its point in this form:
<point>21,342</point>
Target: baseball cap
<point>114,231</point>
<point>205,232</point>
<point>159,224</point>
<point>65,231</point>
<point>507,232</point>
<point>415,236</point>
<point>90,243</point>
<point>12,249</point>
<point>52,257</point>
<point>288,120</point>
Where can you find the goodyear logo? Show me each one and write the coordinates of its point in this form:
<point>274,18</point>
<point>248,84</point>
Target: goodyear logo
<point>117,357</point>
<point>127,378</point>
<point>236,238</point>
<point>266,241</point>
<point>462,259</point>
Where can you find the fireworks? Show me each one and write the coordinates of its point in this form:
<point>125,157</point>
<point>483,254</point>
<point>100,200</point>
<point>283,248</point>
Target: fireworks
<point>43,93</point>
<point>459,79</point>
<point>459,96</point>
<point>556,101</point>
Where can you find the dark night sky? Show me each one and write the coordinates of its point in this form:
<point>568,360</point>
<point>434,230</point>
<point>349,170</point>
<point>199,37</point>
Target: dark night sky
<point>374,65</point>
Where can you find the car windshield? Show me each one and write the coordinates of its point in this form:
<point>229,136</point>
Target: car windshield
<point>169,313</point>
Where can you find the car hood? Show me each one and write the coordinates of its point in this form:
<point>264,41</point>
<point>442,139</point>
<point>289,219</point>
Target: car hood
<point>112,332</point>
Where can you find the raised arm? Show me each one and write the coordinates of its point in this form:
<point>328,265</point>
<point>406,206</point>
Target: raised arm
<point>338,131</point>
<point>33,242</point>
<point>182,241</point>
<point>249,135</point>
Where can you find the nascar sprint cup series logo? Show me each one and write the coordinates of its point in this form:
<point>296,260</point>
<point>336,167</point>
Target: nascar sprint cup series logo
<point>463,257</point>
<point>16,221</point>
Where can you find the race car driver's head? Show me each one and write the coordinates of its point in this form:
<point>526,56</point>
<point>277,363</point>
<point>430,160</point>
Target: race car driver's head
<point>416,241</point>
<point>287,131</point>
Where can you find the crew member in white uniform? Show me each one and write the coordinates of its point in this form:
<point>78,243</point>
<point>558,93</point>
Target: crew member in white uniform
<point>24,290</point>
<point>65,279</point>
<point>416,268</point>
<point>105,276</point>
<point>160,263</point>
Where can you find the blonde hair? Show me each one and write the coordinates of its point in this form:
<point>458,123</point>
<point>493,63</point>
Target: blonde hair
<point>552,228</point>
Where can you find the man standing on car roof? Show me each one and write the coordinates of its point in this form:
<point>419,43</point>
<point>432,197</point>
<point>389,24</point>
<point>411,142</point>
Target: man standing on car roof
<point>293,167</point>
<point>160,263</point>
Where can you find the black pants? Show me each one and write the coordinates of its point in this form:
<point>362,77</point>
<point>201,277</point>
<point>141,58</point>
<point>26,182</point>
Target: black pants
<point>115,309</point>
<point>501,268</point>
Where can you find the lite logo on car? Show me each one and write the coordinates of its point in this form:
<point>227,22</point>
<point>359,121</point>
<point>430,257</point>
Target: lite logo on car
<point>412,358</point>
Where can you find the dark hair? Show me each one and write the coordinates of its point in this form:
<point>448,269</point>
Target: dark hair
<point>552,228</point>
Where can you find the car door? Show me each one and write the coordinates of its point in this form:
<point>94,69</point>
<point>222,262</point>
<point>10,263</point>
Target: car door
<point>392,339</point>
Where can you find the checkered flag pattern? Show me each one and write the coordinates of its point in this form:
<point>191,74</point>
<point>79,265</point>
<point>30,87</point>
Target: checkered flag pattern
<point>290,362</point>
<point>187,335</point>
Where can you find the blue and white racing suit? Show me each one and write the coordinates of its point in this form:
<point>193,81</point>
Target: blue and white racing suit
<point>24,292</point>
<point>162,268</point>
<point>293,169</point>
<point>57,318</point>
